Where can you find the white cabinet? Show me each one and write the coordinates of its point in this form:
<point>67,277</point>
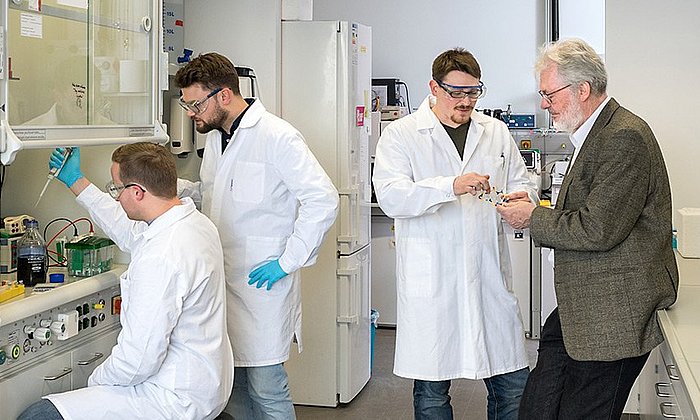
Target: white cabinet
<point>520,250</point>
<point>59,373</point>
<point>85,359</point>
<point>384,270</point>
<point>18,392</point>
<point>662,392</point>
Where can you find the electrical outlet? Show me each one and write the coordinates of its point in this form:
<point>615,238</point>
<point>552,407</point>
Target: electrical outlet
<point>14,225</point>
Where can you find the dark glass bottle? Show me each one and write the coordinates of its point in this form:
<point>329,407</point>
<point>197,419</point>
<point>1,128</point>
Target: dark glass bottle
<point>32,260</point>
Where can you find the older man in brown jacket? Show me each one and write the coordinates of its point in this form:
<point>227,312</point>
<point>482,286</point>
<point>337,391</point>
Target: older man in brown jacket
<point>614,266</point>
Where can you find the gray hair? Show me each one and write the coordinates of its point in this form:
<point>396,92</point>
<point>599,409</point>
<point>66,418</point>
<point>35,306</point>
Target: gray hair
<point>576,62</point>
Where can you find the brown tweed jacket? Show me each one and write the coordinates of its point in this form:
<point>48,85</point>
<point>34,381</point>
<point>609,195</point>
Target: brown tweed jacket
<point>614,266</point>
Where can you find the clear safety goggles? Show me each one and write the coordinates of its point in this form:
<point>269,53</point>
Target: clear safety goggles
<point>197,106</point>
<point>115,190</point>
<point>461,92</point>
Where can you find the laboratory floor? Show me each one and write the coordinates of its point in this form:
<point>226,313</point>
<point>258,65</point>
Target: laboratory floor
<point>388,397</point>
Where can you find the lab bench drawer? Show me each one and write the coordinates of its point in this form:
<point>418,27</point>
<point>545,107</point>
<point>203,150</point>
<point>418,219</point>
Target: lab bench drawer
<point>672,396</point>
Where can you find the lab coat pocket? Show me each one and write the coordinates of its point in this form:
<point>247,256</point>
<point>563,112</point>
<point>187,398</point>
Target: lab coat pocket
<point>249,182</point>
<point>415,267</point>
<point>262,249</point>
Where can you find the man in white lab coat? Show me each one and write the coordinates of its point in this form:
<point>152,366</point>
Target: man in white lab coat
<point>272,203</point>
<point>173,358</point>
<point>440,172</point>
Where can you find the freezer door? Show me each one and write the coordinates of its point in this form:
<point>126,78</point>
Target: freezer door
<point>326,95</point>
<point>354,127</point>
<point>361,126</point>
<point>353,323</point>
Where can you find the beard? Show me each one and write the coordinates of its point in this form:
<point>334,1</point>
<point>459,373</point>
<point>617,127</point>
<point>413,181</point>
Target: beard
<point>462,115</point>
<point>571,119</point>
<point>217,121</point>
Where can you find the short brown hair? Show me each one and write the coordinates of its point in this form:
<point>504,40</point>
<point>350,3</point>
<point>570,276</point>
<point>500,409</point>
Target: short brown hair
<point>455,59</point>
<point>148,164</point>
<point>211,70</point>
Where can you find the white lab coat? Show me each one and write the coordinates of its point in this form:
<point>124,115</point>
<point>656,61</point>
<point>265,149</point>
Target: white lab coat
<point>456,317</point>
<point>173,359</point>
<point>270,198</point>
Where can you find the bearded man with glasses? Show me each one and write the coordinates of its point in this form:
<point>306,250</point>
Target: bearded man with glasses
<point>272,203</point>
<point>614,265</point>
<point>457,316</point>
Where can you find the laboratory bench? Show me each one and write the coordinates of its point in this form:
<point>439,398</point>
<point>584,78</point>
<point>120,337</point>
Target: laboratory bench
<point>52,341</point>
<point>670,381</point>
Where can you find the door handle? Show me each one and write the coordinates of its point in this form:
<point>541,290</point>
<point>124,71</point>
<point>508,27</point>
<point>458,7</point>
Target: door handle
<point>352,274</point>
<point>665,414</point>
<point>66,371</point>
<point>662,394</point>
<point>672,373</point>
<point>97,356</point>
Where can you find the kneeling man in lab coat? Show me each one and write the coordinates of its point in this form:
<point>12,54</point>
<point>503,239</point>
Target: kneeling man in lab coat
<point>173,358</point>
<point>440,172</point>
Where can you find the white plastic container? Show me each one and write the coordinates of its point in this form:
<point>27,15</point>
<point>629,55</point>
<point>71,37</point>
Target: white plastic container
<point>688,225</point>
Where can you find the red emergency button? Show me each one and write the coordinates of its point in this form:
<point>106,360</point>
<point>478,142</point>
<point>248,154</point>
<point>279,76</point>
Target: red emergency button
<point>116,305</point>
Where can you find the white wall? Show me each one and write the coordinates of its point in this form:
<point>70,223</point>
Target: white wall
<point>246,31</point>
<point>407,35</point>
<point>652,54</point>
<point>585,20</point>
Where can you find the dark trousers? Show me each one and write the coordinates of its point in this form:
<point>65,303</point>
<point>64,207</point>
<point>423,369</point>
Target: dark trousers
<point>560,387</point>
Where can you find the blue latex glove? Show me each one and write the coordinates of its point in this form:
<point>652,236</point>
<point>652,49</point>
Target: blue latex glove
<point>71,170</point>
<point>270,272</point>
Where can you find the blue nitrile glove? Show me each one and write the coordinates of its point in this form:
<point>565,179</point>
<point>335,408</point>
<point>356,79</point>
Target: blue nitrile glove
<point>71,170</point>
<point>270,272</point>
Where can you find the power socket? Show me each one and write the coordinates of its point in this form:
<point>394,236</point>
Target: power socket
<point>70,325</point>
<point>14,225</point>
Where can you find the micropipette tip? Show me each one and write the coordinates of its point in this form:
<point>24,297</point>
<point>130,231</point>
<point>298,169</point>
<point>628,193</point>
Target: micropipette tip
<point>43,191</point>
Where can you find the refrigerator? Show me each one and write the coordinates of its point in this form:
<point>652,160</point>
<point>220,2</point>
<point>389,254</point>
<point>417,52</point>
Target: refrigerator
<point>326,95</point>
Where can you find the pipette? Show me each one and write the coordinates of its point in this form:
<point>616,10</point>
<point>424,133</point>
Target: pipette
<point>53,172</point>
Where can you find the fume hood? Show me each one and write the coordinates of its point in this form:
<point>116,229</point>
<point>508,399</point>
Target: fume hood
<point>74,72</point>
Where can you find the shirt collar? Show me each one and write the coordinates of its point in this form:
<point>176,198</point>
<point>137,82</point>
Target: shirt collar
<point>169,218</point>
<point>579,136</point>
<point>226,137</point>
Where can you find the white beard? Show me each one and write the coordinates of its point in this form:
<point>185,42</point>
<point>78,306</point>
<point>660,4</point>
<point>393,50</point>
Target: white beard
<point>570,119</point>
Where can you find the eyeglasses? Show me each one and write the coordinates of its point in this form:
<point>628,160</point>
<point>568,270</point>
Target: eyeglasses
<point>115,190</point>
<point>548,96</point>
<point>199,106</point>
<point>473,92</point>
